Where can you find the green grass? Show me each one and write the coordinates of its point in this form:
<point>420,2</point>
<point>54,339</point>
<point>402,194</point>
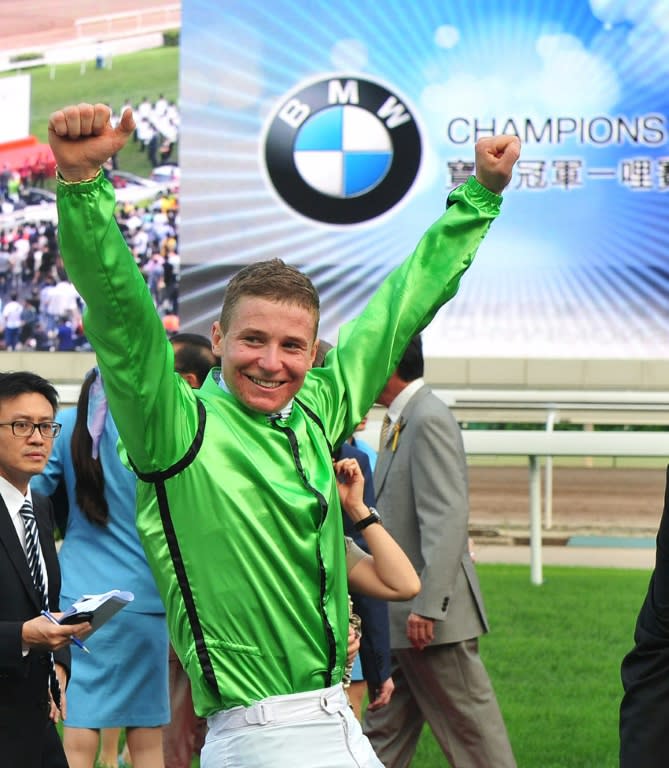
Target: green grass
<point>554,656</point>
<point>147,73</point>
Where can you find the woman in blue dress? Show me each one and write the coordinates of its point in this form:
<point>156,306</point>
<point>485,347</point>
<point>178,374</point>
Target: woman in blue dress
<point>123,682</point>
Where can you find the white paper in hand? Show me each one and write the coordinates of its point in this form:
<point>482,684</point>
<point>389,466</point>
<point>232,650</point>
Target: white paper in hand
<point>97,609</point>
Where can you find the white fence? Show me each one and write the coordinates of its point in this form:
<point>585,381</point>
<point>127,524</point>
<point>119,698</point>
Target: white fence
<point>107,35</point>
<point>534,444</point>
<point>155,19</point>
<point>578,406</point>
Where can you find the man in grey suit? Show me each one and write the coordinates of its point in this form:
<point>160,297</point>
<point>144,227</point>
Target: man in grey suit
<point>422,494</point>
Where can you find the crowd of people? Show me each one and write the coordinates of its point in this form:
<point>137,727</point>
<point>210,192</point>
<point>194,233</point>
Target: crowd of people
<point>33,172</point>
<point>41,310</point>
<point>157,127</point>
<point>239,492</point>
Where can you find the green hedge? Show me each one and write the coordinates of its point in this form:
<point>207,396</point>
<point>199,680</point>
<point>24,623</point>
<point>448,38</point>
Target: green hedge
<point>27,56</point>
<point>171,37</point>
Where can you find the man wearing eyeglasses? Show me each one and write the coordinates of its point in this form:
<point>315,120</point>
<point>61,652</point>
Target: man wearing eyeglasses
<point>34,652</point>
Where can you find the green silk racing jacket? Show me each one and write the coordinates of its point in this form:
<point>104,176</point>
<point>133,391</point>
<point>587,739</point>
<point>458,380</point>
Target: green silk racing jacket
<point>238,512</point>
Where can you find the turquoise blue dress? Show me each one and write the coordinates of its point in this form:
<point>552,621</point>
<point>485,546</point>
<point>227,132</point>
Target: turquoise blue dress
<point>124,680</point>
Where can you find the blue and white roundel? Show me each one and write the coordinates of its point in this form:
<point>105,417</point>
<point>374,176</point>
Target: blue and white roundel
<point>343,151</point>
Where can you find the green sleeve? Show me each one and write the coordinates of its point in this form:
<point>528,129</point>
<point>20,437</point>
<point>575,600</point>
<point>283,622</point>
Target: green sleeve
<point>145,396</point>
<point>370,346</point>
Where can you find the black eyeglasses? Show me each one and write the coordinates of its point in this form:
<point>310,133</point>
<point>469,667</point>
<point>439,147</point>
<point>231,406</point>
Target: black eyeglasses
<point>23,428</point>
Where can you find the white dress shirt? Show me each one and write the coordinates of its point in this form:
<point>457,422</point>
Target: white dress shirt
<point>14,499</point>
<point>395,409</point>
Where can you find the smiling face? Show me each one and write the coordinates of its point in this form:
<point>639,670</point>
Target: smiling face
<point>266,352</point>
<point>23,457</point>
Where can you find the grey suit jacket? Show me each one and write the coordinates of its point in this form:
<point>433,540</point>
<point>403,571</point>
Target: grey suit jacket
<point>422,496</point>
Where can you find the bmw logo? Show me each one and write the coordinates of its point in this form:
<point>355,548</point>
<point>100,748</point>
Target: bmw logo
<point>342,150</point>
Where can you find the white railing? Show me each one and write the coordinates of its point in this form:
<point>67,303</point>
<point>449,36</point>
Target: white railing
<point>537,443</point>
<point>582,406</point>
<point>158,17</point>
<point>111,28</point>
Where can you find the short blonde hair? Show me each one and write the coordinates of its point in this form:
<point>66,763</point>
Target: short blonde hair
<point>273,280</point>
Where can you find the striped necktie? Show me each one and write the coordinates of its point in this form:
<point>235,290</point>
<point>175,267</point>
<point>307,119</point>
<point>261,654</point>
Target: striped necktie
<point>385,426</point>
<point>32,555</point>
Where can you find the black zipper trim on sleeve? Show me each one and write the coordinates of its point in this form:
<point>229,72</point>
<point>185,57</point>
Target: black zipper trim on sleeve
<point>188,457</point>
<point>322,501</point>
<point>158,480</point>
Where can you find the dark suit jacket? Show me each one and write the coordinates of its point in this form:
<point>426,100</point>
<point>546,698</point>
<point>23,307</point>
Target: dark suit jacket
<point>422,492</point>
<point>375,640</point>
<point>644,711</point>
<point>27,737</point>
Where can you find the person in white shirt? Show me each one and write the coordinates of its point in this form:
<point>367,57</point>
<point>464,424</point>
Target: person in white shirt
<point>63,301</point>
<point>11,315</point>
<point>160,107</point>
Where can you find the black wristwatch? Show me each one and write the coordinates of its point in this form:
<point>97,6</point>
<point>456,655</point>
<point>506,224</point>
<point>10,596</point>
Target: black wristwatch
<point>373,517</point>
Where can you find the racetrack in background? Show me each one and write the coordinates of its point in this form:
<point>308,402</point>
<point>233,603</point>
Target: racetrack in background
<point>35,24</point>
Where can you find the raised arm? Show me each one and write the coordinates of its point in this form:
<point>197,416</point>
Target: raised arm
<point>146,399</point>
<point>82,139</point>
<point>386,573</point>
<point>495,158</point>
<point>370,346</point>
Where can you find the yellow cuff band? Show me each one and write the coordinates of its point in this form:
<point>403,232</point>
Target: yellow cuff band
<point>61,180</point>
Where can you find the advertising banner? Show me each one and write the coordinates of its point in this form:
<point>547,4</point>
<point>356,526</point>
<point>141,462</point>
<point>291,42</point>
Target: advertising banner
<point>330,133</point>
<point>14,108</point>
